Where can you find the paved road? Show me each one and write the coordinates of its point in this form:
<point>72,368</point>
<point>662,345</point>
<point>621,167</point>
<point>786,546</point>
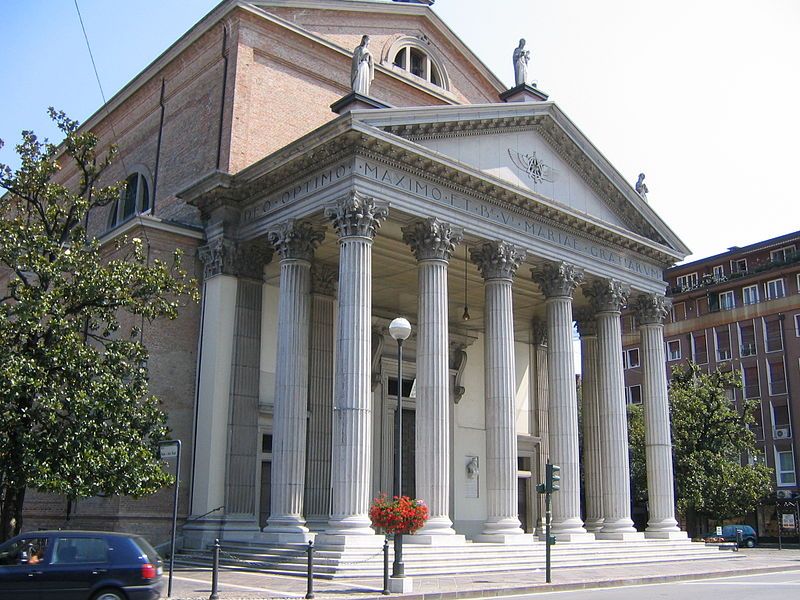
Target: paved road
<point>770,586</point>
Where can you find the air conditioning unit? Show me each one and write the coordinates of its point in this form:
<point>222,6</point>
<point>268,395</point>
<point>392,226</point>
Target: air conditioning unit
<point>783,494</point>
<point>782,434</point>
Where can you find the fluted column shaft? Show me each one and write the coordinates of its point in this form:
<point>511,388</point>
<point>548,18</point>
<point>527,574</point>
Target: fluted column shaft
<point>658,442</point>
<point>433,398</point>
<point>539,332</point>
<point>607,297</point>
<point>433,242</point>
<point>295,242</point>
<point>320,397</point>
<point>498,262</point>
<point>291,392</point>
<point>355,218</point>
<point>558,283</point>
<point>613,426</point>
<point>590,410</point>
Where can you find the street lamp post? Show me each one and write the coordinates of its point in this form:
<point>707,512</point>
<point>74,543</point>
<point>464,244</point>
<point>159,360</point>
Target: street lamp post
<point>399,329</point>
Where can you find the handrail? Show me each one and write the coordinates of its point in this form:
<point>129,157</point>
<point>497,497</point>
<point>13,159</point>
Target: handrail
<point>203,515</point>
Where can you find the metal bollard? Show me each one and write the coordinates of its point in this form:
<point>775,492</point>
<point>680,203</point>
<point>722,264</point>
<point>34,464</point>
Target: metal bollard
<point>385,591</point>
<point>215,572</point>
<point>310,585</point>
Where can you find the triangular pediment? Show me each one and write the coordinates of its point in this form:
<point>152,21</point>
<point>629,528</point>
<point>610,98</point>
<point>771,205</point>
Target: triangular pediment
<point>526,159</point>
<point>532,146</point>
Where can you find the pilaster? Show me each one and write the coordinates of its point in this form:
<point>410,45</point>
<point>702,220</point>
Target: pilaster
<point>320,396</point>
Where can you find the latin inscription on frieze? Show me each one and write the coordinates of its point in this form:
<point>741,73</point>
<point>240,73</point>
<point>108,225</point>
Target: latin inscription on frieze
<point>425,189</point>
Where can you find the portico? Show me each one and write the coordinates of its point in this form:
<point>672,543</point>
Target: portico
<point>385,201</point>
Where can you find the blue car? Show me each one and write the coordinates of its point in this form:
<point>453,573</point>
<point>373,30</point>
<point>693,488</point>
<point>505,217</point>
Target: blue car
<point>79,565</point>
<point>749,536</point>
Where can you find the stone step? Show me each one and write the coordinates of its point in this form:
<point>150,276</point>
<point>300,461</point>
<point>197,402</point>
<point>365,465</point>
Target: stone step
<point>469,558</point>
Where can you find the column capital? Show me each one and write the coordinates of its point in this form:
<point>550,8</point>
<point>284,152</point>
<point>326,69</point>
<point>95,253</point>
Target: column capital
<point>587,324</point>
<point>539,331</point>
<point>296,239</point>
<point>559,279</point>
<point>432,239</point>
<point>356,215</point>
<point>223,256</point>
<point>607,295</point>
<point>497,260</point>
<point>651,309</point>
<point>323,279</point>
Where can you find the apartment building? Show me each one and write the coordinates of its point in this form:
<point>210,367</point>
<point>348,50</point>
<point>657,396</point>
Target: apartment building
<point>741,310</point>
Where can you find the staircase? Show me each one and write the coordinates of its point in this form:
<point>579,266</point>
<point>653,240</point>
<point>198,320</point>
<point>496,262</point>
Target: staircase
<point>448,560</point>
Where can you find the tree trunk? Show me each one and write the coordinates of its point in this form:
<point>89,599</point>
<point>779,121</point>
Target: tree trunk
<point>11,501</point>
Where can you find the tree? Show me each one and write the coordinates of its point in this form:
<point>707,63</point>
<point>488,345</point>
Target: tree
<point>710,437</point>
<point>77,415</point>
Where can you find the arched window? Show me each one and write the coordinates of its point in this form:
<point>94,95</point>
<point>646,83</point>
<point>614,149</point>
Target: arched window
<point>413,57</point>
<point>135,199</point>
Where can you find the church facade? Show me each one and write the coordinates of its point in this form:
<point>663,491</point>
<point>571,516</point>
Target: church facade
<point>323,194</point>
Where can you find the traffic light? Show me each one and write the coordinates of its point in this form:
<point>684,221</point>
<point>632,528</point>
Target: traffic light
<point>552,477</point>
<point>541,488</point>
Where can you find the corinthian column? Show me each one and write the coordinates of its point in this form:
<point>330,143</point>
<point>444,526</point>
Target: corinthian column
<point>498,262</point>
<point>356,219</point>
<point>607,298</point>
<point>592,457</point>
<point>650,312</point>
<point>558,283</point>
<point>295,242</point>
<point>433,242</point>
<point>539,340</point>
<point>320,396</point>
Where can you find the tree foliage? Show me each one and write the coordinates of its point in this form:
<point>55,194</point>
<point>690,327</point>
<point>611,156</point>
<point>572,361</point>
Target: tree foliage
<point>710,437</point>
<point>77,415</point>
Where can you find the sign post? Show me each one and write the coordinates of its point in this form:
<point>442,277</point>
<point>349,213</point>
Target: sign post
<point>172,449</point>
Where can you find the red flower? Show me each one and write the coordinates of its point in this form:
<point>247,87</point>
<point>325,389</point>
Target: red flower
<point>399,515</point>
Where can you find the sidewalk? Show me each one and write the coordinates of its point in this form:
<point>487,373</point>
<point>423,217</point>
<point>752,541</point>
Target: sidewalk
<point>194,584</point>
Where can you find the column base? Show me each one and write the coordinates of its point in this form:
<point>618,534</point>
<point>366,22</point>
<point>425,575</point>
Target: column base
<point>284,537</point>
<point>435,540</point>
<point>572,526</point>
<point>509,539</point>
<point>593,525</point>
<point>401,585</point>
<point>666,535</point>
<point>317,524</point>
<point>626,536</point>
<point>343,541</point>
<point>571,537</point>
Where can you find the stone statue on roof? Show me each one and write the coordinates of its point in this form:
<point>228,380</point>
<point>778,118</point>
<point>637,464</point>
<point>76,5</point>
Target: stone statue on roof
<point>521,58</point>
<point>641,187</point>
<point>362,71</point>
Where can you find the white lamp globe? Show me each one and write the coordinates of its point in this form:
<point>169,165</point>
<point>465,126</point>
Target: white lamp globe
<point>400,329</point>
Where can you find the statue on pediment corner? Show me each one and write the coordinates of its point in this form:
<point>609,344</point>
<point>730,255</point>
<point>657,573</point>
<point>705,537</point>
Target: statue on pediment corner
<point>641,187</point>
<point>521,58</point>
<point>362,71</point>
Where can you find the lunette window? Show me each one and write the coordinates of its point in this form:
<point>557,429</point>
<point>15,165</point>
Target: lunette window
<point>418,63</point>
<point>135,199</point>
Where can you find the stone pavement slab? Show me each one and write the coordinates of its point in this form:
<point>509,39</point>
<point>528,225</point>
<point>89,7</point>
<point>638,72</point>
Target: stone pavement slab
<point>194,584</point>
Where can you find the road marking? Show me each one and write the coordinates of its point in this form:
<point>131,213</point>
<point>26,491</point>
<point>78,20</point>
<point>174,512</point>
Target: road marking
<point>772,583</point>
<point>281,593</point>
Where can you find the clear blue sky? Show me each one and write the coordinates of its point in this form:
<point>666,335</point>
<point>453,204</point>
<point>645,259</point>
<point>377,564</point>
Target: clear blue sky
<point>701,95</point>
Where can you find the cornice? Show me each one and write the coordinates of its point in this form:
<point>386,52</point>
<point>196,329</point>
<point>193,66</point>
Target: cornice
<point>345,137</point>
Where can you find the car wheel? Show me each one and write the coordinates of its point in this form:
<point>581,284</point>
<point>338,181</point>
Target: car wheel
<point>750,543</point>
<point>109,595</point>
